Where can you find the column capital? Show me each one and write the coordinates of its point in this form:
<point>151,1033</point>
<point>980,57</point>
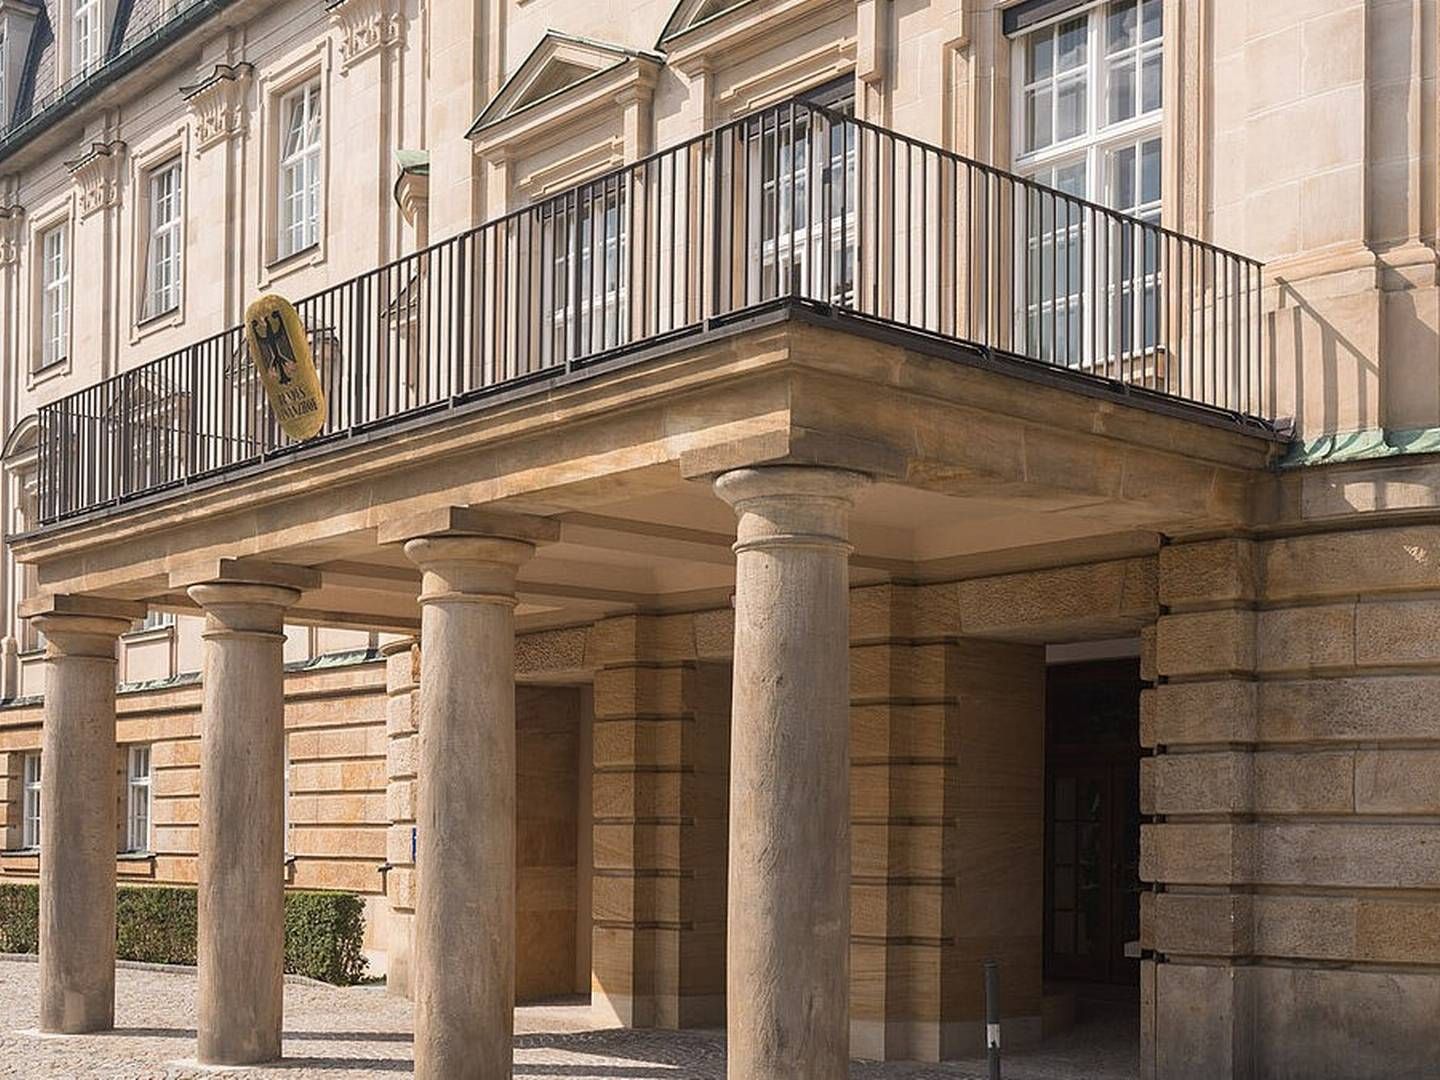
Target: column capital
<point>790,505</point>
<point>81,625</point>
<point>244,596</point>
<point>467,554</point>
<point>245,571</point>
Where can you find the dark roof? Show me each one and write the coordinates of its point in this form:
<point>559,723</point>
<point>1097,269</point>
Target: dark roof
<point>141,29</point>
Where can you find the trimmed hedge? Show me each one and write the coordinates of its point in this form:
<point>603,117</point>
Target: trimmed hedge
<point>19,918</point>
<point>155,924</point>
<point>325,935</point>
<point>324,931</point>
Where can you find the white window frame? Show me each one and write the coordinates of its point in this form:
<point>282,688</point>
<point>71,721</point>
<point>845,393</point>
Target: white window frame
<point>164,239</point>
<point>54,289</point>
<point>139,798</point>
<point>287,824</point>
<point>87,36</point>
<point>155,619</point>
<point>30,800</point>
<point>1096,146</point>
<point>601,212</point>
<point>299,169</point>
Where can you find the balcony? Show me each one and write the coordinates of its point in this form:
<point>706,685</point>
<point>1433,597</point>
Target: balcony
<point>794,207</point>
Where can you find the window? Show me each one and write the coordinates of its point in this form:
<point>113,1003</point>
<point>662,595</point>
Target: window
<point>801,212</point>
<point>1088,123</point>
<point>85,47</point>
<point>287,825</point>
<point>163,261</point>
<point>54,295</point>
<point>30,808</point>
<point>155,620</point>
<point>593,225</point>
<point>4,101</point>
<point>299,189</point>
<point>137,790</point>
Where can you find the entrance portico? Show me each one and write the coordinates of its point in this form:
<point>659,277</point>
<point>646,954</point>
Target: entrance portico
<point>576,516</point>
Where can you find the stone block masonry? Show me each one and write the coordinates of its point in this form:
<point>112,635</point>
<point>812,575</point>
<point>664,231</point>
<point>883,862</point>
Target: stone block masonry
<point>1293,846</point>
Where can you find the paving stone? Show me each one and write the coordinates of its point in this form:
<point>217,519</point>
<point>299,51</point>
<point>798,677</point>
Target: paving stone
<point>337,1033</point>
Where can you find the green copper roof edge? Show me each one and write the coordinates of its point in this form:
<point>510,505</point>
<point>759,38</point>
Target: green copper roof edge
<point>1370,444</point>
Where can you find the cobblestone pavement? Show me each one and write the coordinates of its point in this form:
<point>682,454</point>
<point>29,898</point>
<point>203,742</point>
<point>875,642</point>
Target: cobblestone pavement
<point>337,1033</point>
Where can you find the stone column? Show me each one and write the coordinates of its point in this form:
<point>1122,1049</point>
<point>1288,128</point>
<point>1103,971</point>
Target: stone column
<point>402,681</point>
<point>789,902</point>
<point>78,810</point>
<point>464,960</point>
<point>241,918</point>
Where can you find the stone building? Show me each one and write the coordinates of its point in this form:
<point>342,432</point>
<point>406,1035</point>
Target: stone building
<point>815,495</point>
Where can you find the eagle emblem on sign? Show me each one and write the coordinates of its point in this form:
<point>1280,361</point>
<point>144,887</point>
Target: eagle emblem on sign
<point>280,349</point>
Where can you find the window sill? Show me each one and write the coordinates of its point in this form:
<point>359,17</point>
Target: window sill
<point>160,321</point>
<point>135,864</point>
<point>278,267</point>
<point>21,859</point>
<point>49,371</point>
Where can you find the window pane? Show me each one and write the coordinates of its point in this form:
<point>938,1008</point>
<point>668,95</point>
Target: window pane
<point>1120,26</point>
<point>1040,56</point>
<point>1071,179</point>
<point>1121,90</point>
<point>1038,132</point>
<point>1070,118</point>
<point>1150,171</point>
<point>1150,16</point>
<point>294,126</point>
<point>1071,45</point>
<point>1150,82</point>
<point>1122,178</point>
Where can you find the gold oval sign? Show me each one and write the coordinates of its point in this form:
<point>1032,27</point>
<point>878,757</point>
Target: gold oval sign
<point>280,348</point>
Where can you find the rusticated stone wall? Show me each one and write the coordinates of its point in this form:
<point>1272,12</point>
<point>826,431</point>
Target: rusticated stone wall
<point>660,797</point>
<point>1294,849</point>
<point>947,795</point>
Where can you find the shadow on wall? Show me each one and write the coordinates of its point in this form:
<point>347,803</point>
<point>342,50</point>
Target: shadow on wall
<point>1326,372</point>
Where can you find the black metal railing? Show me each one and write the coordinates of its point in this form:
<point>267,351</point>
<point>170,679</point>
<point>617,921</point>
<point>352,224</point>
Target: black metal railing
<point>793,202</point>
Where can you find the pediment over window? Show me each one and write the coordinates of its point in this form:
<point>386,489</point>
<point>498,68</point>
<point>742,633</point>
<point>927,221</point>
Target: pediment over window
<point>691,13</point>
<point>712,37</point>
<point>559,64</point>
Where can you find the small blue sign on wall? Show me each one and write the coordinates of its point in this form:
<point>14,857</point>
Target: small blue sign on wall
<point>412,843</point>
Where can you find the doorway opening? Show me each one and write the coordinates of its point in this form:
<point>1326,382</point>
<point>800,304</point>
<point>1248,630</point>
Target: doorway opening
<point>1092,833</point>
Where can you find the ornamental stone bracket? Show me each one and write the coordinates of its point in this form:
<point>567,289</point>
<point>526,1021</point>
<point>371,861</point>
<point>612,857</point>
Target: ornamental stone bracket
<point>97,176</point>
<point>366,27</point>
<point>218,104</point>
<point>10,233</point>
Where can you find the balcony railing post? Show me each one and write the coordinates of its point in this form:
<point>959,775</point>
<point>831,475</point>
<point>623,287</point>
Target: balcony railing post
<point>576,259</point>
